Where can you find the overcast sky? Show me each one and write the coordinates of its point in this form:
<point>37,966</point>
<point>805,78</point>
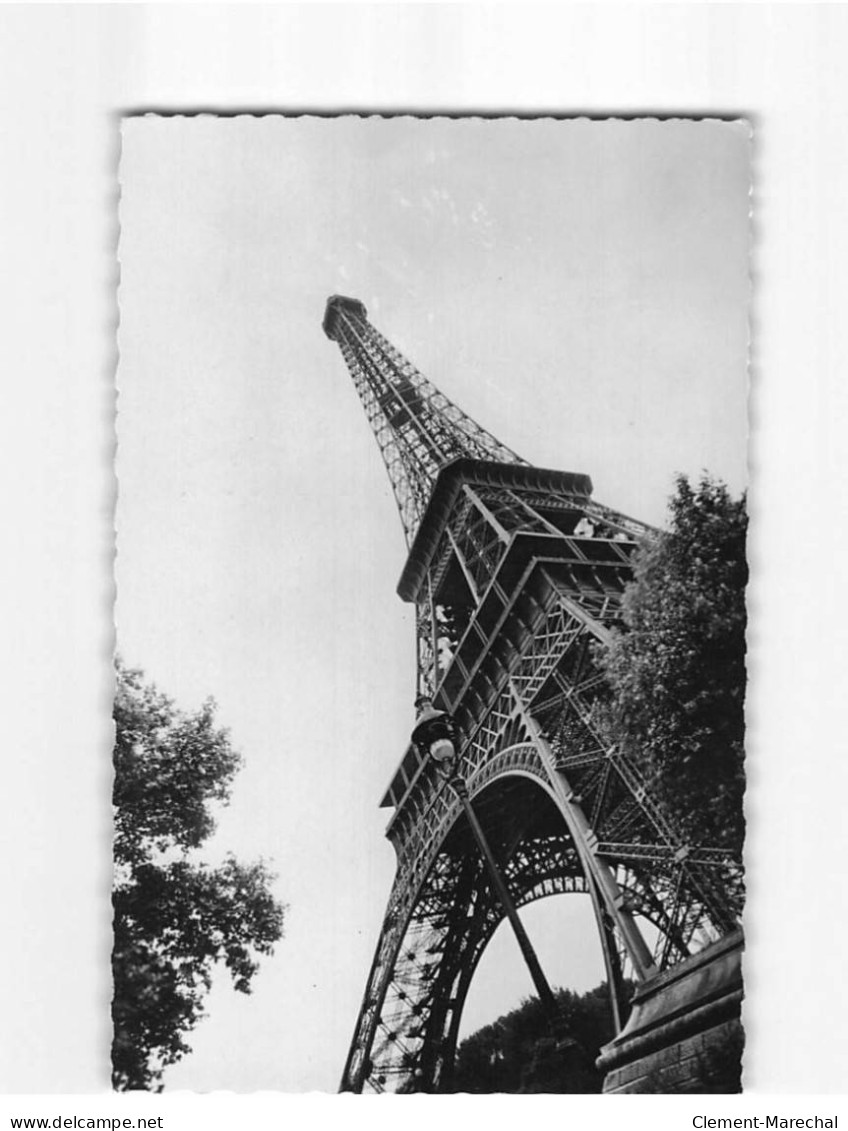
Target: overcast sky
<point>580,288</point>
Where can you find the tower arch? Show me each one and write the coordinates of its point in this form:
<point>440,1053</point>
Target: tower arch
<point>454,913</point>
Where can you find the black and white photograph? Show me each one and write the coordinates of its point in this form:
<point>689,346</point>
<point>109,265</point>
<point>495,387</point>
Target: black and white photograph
<point>431,604</point>
<point>422,470</point>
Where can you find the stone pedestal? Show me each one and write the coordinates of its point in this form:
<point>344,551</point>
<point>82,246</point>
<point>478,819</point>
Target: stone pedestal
<point>685,1032</point>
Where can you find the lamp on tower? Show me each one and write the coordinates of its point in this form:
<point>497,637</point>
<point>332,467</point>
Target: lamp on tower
<point>434,734</point>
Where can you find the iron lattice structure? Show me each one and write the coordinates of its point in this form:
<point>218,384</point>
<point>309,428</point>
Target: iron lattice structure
<point>517,575</point>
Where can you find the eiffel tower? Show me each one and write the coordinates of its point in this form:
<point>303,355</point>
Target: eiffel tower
<point>516,573</point>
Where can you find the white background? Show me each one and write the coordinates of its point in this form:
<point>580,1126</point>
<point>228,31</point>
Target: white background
<point>66,73</point>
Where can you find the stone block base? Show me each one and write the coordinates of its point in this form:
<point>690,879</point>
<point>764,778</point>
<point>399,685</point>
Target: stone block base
<point>684,1033</point>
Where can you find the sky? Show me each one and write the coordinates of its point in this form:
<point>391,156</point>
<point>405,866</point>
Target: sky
<point>580,288</point>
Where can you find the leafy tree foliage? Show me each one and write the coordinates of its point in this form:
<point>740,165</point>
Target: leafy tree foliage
<point>517,1053</point>
<point>677,669</point>
<point>174,918</point>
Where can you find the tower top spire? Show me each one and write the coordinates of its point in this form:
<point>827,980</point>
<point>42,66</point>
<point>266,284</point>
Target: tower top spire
<point>337,305</point>
<point>418,429</point>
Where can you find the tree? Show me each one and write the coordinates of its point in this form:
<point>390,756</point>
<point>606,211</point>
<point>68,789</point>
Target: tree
<point>676,669</point>
<point>518,1054</point>
<point>174,918</point>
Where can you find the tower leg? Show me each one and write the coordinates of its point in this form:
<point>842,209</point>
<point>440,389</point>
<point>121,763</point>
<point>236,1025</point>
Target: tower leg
<point>612,961</point>
<point>578,826</point>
